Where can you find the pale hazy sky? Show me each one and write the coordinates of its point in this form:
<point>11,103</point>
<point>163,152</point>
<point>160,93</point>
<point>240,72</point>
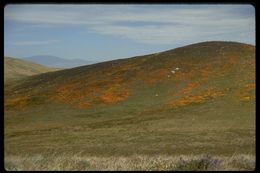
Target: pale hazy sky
<point>105,32</point>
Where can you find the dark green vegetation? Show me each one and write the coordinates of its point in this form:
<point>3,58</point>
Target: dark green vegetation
<point>16,69</point>
<point>138,106</point>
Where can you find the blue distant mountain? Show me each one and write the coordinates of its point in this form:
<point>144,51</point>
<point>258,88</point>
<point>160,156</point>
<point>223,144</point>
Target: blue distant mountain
<point>53,61</point>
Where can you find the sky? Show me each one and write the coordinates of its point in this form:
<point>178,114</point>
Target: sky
<point>98,32</point>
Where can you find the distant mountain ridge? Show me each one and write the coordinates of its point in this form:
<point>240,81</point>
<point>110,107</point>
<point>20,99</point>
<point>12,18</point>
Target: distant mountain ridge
<point>54,61</point>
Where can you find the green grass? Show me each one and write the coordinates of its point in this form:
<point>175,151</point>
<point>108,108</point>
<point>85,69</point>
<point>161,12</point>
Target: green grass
<point>119,131</point>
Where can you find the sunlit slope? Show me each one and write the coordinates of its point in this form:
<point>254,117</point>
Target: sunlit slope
<point>16,68</point>
<point>192,74</point>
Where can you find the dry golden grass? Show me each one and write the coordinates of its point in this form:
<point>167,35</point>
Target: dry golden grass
<point>79,162</point>
<point>17,68</point>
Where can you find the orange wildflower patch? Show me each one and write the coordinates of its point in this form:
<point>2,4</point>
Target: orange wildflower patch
<point>205,72</point>
<point>249,87</point>
<point>190,87</point>
<point>83,105</point>
<point>84,95</point>
<point>18,102</point>
<point>75,94</point>
<point>114,94</point>
<point>201,97</point>
<point>245,93</point>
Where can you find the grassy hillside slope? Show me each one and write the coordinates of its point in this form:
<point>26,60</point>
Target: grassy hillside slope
<point>17,68</point>
<point>193,100</point>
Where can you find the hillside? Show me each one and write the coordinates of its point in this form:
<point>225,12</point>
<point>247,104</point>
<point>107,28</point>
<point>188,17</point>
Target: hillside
<point>16,68</point>
<point>214,66</point>
<point>53,61</point>
<point>196,99</point>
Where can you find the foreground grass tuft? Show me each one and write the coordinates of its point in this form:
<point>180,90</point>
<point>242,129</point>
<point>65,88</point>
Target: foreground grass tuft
<point>134,162</point>
<point>203,163</point>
